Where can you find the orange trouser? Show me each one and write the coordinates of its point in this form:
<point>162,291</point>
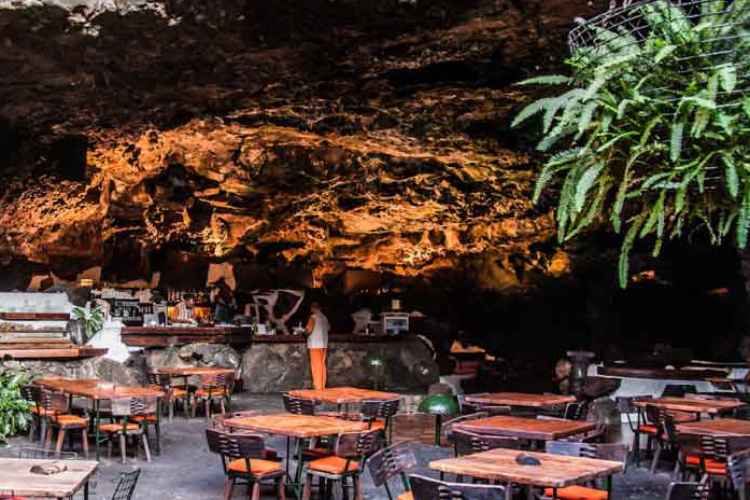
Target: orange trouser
<point>318,368</point>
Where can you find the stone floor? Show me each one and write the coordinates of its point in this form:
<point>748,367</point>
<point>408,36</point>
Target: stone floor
<point>186,470</point>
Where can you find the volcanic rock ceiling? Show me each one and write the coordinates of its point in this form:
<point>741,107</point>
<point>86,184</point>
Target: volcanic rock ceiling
<point>326,134</point>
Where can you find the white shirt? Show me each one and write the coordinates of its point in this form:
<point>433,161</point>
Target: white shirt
<point>318,339</point>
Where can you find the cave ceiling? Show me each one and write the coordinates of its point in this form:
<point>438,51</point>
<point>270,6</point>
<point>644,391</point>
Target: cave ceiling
<point>329,134</point>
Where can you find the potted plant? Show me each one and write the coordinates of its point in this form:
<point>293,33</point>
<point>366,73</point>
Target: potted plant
<point>15,411</point>
<point>652,133</point>
<point>89,323</point>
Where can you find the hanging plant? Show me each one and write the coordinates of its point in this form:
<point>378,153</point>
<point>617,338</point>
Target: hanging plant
<point>652,133</point>
<point>93,320</point>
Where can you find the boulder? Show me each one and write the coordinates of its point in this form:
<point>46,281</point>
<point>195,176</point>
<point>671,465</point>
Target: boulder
<point>280,367</point>
<point>101,368</point>
<point>189,355</point>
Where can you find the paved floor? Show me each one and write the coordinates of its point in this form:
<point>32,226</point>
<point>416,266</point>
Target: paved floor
<point>186,470</point>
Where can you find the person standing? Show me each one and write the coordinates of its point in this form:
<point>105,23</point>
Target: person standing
<point>317,343</point>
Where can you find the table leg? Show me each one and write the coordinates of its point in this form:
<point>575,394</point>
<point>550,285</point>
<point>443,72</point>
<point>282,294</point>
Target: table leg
<point>96,425</point>
<point>86,491</point>
<point>187,399</point>
<point>298,475</point>
<point>609,486</point>
<point>157,427</point>
<point>438,428</point>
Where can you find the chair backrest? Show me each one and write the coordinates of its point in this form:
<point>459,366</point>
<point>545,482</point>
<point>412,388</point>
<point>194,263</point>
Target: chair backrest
<point>739,469</point>
<point>678,390</point>
<point>31,393</point>
<point>298,406</point>
<point>380,409</point>
<point>234,446</point>
<point>721,447</point>
<point>126,485</point>
<point>212,381</point>
<point>34,453</point>
<point>357,445</point>
<point>425,488</point>
<point>689,491</point>
<point>159,379</point>
<point>55,402</point>
<point>613,452</point>
<point>390,462</point>
<point>126,407</point>
<point>468,443</point>
<point>576,411</point>
<point>450,424</point>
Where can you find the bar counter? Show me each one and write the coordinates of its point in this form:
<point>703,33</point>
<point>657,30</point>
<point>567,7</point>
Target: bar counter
<point>165,336</point>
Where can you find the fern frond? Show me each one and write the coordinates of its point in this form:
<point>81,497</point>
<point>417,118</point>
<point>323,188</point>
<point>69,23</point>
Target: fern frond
<point>675,141</point>
<point>546,80</point>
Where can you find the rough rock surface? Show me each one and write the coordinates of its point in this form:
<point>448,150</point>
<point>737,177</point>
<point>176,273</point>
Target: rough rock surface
<point>281,367</point>
<point>101,368</point>
<point>330,135</point>
<point>191,355</point>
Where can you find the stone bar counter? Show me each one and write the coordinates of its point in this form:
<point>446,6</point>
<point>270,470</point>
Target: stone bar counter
<point>272,363</point>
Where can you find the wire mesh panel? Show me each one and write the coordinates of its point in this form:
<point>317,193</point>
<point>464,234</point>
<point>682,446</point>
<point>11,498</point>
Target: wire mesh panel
<point>688,37</point>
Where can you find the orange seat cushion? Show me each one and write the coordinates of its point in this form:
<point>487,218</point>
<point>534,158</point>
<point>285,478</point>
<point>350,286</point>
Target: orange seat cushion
<point>648,429</point>
<point>142,418</point>
<point>333,465</point>
<point>378,424</point>
<point>578,493</point>
<point>38,410</point>
<point>118,427</point>
<point>406,496</point>
<point>214,393</point>
<point>70,421</point>
<point>713,467</point>
<point>179,393</point>
<point>257,467</point>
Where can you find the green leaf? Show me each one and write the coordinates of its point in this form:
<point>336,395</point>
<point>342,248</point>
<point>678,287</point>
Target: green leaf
<point>733,182</point>
<point>664,53</point>
<point>728,78</point>
<point>587,180</point>
<point>627,246</point>
<point>533,109</point>
<point>547,80</point>
<point>675,142</point>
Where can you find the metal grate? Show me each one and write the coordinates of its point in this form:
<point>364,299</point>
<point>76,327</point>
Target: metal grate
<point>719,34</point>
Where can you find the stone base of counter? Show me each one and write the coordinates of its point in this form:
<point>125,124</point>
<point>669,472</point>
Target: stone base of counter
<point>275,367</point>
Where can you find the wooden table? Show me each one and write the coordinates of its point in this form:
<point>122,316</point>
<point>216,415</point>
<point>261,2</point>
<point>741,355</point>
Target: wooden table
<point>342,395</point>
<point>555,471</point>
<point>527,428</point>
<point>718,427</point>
<point>189,371</point>
<point>296,426</point>
<point>689,405</point>
<point>100,390</point>
<point>520,399</point>
<point>16,479</point>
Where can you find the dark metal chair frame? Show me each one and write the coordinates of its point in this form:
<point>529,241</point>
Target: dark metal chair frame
<point>390,462</point>
<point>426,488</point>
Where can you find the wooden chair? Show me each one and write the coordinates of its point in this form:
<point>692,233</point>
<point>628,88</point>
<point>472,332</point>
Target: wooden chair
<point>56,406</point>
<point>613,452</point>
<point>33,394</point>
<point>688,491</point>
<point>213,388</point>
<point>126,485</point>
<point>172,395</point>
<point>666,436</point>
<point>449,427</point>
<point>389,463</point>
<point>468,443</point>
<point>425,488</point>
<point>576,411</point>
<point>710,454</point>
<point>125,409</point>
<point>346,463</point>
<point>638,425</point>
<point>243,457</point>
<point>379,415</point>
<point>739,472</point>
<point>298,406</point>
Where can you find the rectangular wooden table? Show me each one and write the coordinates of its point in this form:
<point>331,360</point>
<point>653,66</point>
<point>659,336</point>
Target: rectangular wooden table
<point>520,399</point>
<point>555,471</point>
<point>717,427</point>
<point>100,390</point>
<point>16,479</point>
<point>690,405</point>
<point>342,395</point>
<point>527,428</point>
<point>296,426</point>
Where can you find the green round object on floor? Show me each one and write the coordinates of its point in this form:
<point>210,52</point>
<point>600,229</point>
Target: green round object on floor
<point>438,404</point>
